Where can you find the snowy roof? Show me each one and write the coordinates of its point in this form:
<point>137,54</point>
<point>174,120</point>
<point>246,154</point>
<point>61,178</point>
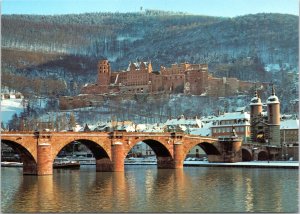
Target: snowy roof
<point>289,124</point>
<point>137,65</point>
<point>234,116</point>
<point>272,99</point>
<point>208,119</point>
<point>240,109</point>
<point>255,101</point>
<point>204,131</point>
<point>149,127</point>
<point>183,121</point>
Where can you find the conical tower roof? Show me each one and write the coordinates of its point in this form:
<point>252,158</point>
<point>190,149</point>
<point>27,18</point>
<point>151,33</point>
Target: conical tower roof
<point>255,100</point>
<point>273,99</point>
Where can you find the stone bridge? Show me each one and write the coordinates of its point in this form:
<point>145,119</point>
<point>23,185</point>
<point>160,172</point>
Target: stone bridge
<point>38,150</point>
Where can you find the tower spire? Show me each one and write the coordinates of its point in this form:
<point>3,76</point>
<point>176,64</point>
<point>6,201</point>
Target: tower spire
<point>255,91</point>
<point>273,90</point>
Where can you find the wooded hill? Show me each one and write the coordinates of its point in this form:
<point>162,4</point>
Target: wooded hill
<point>69,46</point>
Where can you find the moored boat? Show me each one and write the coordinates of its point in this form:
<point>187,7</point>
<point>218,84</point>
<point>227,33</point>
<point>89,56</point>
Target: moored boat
<point>11,164</point>
<point>65,163</point>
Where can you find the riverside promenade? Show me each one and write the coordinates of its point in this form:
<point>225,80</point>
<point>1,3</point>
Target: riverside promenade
<point>252,164</point>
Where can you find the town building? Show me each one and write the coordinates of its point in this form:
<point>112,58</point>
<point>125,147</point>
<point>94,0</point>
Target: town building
<point>182,124</point>
<point>223,125</point>
<point>289,137</point>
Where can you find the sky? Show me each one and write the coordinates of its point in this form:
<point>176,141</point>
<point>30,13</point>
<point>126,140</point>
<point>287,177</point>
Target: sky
<point>225,8</point>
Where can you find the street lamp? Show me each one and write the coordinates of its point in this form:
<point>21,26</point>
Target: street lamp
<point>268,148</point>
<point>36,134</point>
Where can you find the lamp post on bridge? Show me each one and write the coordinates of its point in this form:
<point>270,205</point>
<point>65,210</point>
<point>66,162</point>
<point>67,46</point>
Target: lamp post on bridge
<point>36,134</point>
<point>268,148</point>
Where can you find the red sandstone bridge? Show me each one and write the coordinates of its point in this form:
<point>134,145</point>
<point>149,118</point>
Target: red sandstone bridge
<point>39,149</point>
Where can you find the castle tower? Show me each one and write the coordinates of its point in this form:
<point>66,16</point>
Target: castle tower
<point>273,119</point>
<point>255,116</point>
<point>103,73</point>
<point>150,67</point>
<point>131,66</point>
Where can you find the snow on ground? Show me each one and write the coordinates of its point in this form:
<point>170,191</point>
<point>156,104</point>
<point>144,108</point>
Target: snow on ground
<point>204,131</point>
<point>245,164</point>
<point>9,107</point>
<point>272,67</point>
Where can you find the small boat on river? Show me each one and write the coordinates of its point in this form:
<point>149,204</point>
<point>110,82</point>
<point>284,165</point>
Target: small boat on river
<point>11,164</point>
<point>60,163</point>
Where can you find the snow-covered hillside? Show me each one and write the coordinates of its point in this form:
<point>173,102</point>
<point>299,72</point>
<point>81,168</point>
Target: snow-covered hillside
<point>9,107</point>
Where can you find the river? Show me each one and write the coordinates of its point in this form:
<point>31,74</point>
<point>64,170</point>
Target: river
<point>148,189</point>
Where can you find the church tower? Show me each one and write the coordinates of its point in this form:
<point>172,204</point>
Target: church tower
<point>104,73</point>
<point>273,106</point>
<point>255,116</point>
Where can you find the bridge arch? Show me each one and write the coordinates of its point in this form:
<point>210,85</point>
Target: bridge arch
<point>246,155</point>
<point>158,147</point>
<point>27,158</point>
<point>163,151</point>
<point>262,155</point>
<point>98,150</point>
<point>207,147</point>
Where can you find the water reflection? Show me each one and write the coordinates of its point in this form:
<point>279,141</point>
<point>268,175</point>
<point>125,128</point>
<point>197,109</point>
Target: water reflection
<point>249,195</point>
<point>147,189</point>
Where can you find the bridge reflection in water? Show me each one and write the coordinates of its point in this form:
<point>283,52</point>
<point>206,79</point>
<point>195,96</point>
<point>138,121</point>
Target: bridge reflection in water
<point>148,189</point>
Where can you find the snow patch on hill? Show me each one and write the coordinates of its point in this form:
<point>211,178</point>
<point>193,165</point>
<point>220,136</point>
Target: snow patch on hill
<point>9,107</point>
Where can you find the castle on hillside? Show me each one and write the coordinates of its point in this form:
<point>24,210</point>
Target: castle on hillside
<point>186,78</point>
<point>140,78</point>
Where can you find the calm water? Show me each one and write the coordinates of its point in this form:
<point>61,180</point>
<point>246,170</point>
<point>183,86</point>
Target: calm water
<point>147,189</point>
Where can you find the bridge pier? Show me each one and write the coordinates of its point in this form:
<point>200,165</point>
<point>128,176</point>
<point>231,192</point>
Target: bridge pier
<point>44,159</point>
<point>104,165</point>
<point>29,168</point>
<point>118,157</point>
<point>178,155</point>
<point>165,163</point>
<point>230,148</point>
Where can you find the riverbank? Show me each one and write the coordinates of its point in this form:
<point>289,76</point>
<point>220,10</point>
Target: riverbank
<point>253,164</point>
<point>11,164</point>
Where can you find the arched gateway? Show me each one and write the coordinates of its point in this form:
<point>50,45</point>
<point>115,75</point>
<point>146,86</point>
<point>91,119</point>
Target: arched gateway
<point>38,150</point>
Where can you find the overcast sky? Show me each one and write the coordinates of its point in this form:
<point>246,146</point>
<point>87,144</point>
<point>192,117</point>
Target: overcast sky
<point>226,8</point>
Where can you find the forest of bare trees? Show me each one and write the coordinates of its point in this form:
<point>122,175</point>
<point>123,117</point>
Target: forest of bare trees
<point>52,56</point>
<point>161,36</point>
